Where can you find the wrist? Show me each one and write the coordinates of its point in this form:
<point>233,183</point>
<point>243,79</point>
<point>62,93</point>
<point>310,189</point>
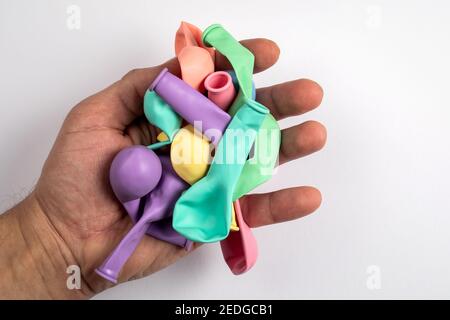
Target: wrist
<point>33,257</point>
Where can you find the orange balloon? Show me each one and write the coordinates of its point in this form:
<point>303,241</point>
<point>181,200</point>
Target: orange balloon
<point>196,60</point>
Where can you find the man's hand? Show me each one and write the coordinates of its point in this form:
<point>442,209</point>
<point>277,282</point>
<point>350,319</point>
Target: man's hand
<point>73,217</point>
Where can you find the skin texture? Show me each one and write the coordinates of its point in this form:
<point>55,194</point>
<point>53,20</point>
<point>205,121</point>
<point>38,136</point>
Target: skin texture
<point>73,217</point>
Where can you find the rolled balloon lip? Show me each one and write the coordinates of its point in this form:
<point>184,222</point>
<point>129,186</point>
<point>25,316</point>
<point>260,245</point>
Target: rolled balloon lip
<point>191,105</point>
<point>107,274</point>
<point>220,89</point>
<point>157,208</point>
<point>258,107</point>
<point>208,30</point>
<point>158,79</point>
<point>213,76</point>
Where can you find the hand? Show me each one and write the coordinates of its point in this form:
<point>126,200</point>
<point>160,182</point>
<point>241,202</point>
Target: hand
<point>73,217</point>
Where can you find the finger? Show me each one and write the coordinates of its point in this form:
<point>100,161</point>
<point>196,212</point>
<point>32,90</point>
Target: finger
<point>266,53</point>
<point>279,206</point>
<point>151,255</point>
<point>141,132</point>
<point>291,98</point>
<point>121,103</point>
<point>301,140</point>
<point>141,79</point>
<point>130,90</point>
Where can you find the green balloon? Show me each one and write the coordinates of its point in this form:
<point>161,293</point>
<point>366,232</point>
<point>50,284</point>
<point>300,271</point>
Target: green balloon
<point>160,114</point>
<point>267,145</point>
<point>203,212</point>
<point>259,168</point>
<point>239,56</point>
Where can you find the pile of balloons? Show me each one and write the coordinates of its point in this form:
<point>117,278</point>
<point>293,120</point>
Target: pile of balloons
<point>222,144</point>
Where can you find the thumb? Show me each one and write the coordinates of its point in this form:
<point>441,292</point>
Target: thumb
<point>120,104</point>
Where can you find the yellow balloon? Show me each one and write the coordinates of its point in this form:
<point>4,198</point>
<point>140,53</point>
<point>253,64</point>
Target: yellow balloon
<point>234,225</point>
<point>162,137</point>
<point>190,154</point>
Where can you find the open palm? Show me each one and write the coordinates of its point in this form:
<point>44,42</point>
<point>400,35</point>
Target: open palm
<point>74,194</point>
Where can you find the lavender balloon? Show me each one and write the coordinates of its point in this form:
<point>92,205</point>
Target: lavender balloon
<point>158,206</point>
<point>191,105</point>
<point>135,171</point>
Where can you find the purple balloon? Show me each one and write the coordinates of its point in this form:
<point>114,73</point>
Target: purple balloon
<point>135,171</point>
<point>191,105</point>
<point>158,207</point>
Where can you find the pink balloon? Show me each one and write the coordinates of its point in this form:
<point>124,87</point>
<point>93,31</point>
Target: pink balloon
<point>240,249</point>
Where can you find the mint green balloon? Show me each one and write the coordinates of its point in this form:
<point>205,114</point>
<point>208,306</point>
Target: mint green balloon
<point>160,114</point>
<point>259,168</point>
<point>239,56</point>
<point>203,212</point>
<point>256,171</point>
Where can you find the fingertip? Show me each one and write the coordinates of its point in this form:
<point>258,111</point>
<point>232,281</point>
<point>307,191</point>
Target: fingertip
<point>301,140</point>
<point>266,52</point>
<point>173,65</point>
<point>308,94</point>
<point>316,93</point>
<point>314,199</point>
<point>318,133</point>
<point>306,201</point>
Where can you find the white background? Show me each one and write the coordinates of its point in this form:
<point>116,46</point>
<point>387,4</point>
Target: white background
<point>384,174</point>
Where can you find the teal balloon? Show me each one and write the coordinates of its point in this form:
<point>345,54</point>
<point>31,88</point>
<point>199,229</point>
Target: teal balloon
<point>203,212</point>
<point>161,115</point>
<point>259,168</point>
<point>267,143</point>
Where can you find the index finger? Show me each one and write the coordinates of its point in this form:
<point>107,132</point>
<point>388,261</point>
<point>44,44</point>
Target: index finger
<point>266,54</point>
